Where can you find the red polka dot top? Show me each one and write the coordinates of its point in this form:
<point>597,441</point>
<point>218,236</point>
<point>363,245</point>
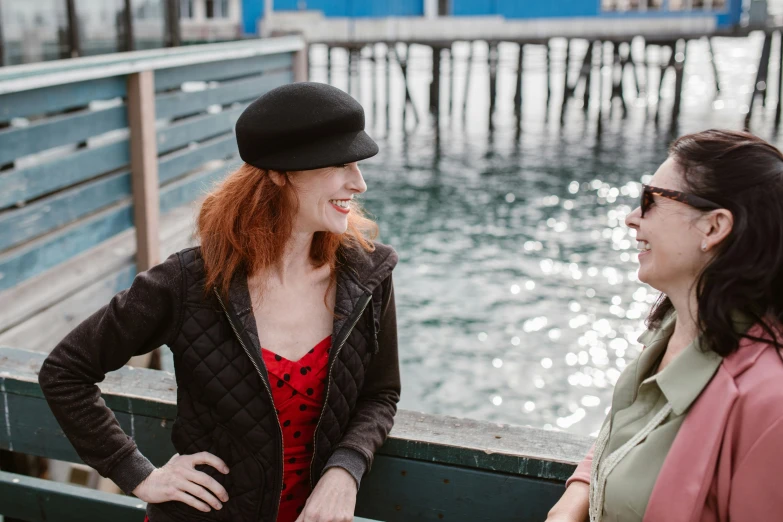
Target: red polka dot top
<point>298,390</point>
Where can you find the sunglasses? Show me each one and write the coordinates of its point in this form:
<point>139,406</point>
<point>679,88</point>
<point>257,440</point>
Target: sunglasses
<point>675,195</point>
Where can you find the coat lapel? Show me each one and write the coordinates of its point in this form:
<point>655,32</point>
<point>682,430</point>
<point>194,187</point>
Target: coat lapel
<point>688,472</point>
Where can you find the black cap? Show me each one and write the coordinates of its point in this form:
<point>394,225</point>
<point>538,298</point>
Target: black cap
<point>303,126</point>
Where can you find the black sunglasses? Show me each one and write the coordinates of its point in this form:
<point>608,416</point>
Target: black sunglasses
<point>689,199</point>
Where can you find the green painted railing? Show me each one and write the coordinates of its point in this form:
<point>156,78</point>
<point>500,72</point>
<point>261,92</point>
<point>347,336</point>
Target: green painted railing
<point>431,468</point>
<point>82,141</point>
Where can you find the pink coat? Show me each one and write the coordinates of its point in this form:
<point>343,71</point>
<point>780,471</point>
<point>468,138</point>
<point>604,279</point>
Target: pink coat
<point>726,463</point>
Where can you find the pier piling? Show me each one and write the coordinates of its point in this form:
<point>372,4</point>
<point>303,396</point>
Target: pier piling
<point>760,86</point>
<point>492,58</point>
<point>566,87</point>
<point>714,65</point>
<point>780,78</point>
<point>468,67</point>
<point>587,72</point>
<point>435,83</point>
<point>518,91</point>
<point>679,75</point>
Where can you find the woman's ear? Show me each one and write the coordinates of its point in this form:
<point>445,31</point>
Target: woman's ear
<point>278,178</point>
<point>719,225</point>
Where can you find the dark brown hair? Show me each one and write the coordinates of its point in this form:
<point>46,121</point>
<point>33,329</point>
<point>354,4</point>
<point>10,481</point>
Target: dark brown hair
<point>744,174</point>
<point>247,220</point>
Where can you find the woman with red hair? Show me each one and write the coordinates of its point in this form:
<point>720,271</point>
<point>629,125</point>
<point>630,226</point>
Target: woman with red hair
<point>282,325</point>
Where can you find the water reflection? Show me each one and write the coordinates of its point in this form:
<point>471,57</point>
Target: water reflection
<point>518,299</point>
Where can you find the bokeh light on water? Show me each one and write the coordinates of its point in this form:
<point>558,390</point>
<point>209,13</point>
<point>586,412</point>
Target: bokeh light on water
<point>517,294</point>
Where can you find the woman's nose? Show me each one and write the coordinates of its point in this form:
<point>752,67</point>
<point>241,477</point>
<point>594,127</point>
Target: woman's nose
<point>357,183</point>
<point>632,219</point>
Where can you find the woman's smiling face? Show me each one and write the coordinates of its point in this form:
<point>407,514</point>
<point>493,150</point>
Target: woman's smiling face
<point>669,235</point>
<point>325,197</point>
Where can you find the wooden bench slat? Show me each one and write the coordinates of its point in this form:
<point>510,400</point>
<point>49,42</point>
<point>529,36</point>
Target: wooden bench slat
<point>19,185</point>
<point>39,296</point>
<point>173,77</point>
<point>62,130</point>
<point>247,89</point>
<point>177,163</point>
<point>57,98</point>
<point>23,224</point>
<point>32,258</point>
<point>197,128</point>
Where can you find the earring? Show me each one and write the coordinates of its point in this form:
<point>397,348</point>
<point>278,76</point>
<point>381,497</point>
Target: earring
<point>704,246</point>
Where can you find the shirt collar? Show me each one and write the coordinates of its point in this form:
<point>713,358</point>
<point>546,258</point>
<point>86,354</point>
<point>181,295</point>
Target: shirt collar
<point>683,380</point>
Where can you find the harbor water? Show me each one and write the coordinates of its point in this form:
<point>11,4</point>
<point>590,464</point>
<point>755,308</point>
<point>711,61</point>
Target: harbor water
<point>517,295</point>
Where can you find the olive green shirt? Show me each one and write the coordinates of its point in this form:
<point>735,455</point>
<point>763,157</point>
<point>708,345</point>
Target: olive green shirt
<point>638,396</point>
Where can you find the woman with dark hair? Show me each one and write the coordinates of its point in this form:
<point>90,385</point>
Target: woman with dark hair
<point>695,432</point>
<point>283,328</point>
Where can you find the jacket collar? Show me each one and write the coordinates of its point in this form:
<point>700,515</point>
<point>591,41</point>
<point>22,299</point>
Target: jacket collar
<point>359,273</point>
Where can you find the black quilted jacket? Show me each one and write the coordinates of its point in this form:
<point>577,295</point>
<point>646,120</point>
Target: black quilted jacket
<point>224,403</point>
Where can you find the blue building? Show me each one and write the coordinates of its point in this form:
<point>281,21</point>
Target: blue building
<point>727,14</point>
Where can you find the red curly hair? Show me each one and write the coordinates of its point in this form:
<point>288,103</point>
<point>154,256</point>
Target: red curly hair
<point>247,220</point>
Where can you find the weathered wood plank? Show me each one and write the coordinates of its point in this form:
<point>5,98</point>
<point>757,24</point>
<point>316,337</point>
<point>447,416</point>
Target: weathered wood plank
<point>23,224</point>
<point>401,490</point>
<point>38,500</point>
<point>175,164</point>
<point>182,103</point>
<point>56,98</point>
<point>19,185</point>
<point>144,168</point>
<point>37,295</point>
<point>415,436</point>
<point>193,187</point>
<point>30,259</point>
<point>48,133</point>
<point>198,128</point>
<point>217,71</point>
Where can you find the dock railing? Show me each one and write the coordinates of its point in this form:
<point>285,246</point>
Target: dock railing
<point>431,468</point>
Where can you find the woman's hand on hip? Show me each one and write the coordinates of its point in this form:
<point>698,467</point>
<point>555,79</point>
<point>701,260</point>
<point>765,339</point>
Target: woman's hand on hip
<point>332,500</point>
<point>179,480</point>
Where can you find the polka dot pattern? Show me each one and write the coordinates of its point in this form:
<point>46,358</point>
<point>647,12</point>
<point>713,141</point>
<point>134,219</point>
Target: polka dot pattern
<point>299,397</point>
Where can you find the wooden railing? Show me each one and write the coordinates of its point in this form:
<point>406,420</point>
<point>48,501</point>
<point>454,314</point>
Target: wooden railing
<point>89,146</point>
<point>431,468</point>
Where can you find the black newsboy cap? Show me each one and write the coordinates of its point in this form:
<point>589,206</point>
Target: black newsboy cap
<point>303,126</point>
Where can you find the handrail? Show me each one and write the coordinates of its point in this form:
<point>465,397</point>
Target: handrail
<point>13,78</point>
<point>487,446</point>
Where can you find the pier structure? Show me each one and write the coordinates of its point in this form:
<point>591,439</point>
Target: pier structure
<point>615,35</point>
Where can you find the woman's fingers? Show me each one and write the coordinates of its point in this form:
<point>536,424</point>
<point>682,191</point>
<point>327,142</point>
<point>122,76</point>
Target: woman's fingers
<point>209,459</point>
<point>200,493</point>
<point>208,482</point>
<point>191,501</point>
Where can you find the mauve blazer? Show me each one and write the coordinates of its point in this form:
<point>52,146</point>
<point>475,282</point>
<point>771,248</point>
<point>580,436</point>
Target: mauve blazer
<point>726,463</point>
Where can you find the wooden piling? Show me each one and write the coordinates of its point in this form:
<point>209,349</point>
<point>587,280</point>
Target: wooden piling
<point>760,86</point>
<point>492,58</point>
<point>451,80</point>
<point>435,83</point>
<point>673,47</point>
<point>350,70</point>
<point>468,68</point>
<point>387,97</point>
<point>679,75</point>
<point>617,79</point>
<point>408,100</point>
<point>600,125</point>
<point>587,72</point>
<point>566,87</point>
<point>518,92</point>
<point>329,64</point>
<point>548,74</point>
<point>714,65</point>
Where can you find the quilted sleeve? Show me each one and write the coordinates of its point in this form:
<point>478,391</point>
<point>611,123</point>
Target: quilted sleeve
<point>135,321</point>
<point>373,415</point>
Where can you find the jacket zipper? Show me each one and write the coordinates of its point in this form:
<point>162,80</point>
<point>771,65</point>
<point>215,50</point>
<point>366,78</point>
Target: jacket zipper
<point>367,300</point>
<point>271,398</point>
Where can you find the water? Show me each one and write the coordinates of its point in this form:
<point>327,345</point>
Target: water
<point>517,295</point>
